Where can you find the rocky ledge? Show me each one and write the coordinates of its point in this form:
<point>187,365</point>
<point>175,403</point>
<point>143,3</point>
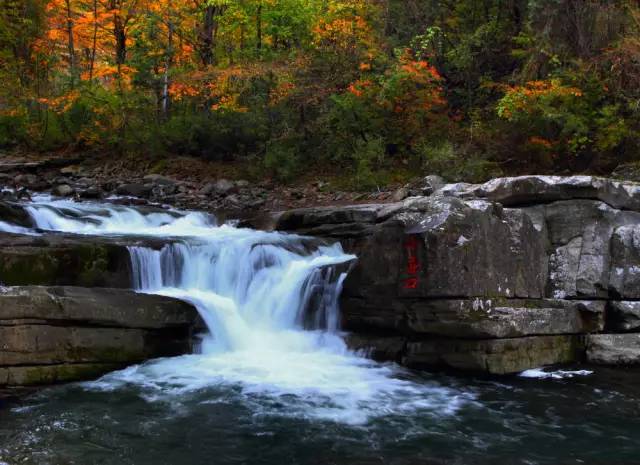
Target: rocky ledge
<point>499,277</point>
<point>55,334</point>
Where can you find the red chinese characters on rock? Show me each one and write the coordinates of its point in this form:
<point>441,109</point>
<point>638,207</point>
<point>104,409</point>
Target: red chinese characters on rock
<point>413,266</point>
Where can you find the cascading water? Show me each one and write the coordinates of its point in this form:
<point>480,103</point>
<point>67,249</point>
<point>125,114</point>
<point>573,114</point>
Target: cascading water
<point>269,301</point>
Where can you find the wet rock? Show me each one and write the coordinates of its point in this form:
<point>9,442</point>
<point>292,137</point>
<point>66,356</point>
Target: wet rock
<point>135,190</point>
<point>431,184</point>
<point>379,348</point>
<point>91,192</point>
<point>613,349</point>
<point>159,179</point>
<point>15,214</point>
<point>400,194</point>
<point>224,186</point>
<point>63,190</point>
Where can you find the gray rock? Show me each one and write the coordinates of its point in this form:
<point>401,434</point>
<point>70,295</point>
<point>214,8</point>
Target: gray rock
<point>527,190</point>
<point>91,192</point>
<point>400,194</point>
<point>159,179</point>
<point>623,316</point>
<point>613,349</point>
<point>473,318</point>
<point>431,184</point>
<point>15,214</point>
<point>63,190</point>
<point>28,180</point>
<point>224,186</point>
<point>207,189</point>
<point>43,327</point>
<point>135,190</point>
<point>624,276</point>
<point>494,356</point>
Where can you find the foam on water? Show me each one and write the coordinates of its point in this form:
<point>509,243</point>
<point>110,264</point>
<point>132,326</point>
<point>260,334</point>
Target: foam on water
<point>270,303</point>
<point>541,373</point>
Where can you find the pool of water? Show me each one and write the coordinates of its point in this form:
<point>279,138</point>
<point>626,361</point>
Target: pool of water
<point>132,418</point>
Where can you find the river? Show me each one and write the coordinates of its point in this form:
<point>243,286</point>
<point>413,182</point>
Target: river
<point>274,383</point>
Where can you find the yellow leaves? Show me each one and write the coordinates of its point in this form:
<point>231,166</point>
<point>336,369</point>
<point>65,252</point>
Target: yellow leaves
<point>60,104</point>
<point>281,92</point>
<point>533,97</point>
<point>341,33</point>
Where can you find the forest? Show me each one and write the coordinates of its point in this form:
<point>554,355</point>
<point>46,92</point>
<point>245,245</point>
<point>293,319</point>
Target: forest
<point>375,89</point>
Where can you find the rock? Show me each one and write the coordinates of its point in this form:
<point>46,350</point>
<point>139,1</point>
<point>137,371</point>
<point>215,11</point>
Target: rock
<point>624,276</point>
<point>242,184</point>
<point>91,192</point>
<point>494,356</point>
<point>474,318</point>
<point>400,194</point>
<point>224,186</point>
<point>159,179</point>
<point>28,180</point>
<point>15,214</point>
<point>51,374</point>
<point>526,190</point>
<point>623,316</point>
<point>627,172</point>
<point>431,184</point>
<point>64,260</point>
<point>233,201</point>
<point>134,190</point>
<point>69,328</point>
<point>207,189</point>
<point>583,243</point>
<point>377,347</point>
<point>103,307</point>
<point>613,349</point>
<point>63,190</point>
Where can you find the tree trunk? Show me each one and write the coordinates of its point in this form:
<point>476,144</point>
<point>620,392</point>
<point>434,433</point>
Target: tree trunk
<point>259,27</point>
<point>70,45</point>
<point>167,66</point>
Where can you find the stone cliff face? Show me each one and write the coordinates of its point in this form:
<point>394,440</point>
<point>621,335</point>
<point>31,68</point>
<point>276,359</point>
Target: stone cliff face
<point>500,277</point>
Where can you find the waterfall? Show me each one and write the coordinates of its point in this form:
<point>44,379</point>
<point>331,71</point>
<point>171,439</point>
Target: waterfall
<point>248,289</point>
<point>270,303</point>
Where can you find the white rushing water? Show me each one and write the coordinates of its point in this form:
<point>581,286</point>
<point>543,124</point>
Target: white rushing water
<point>270,302</point>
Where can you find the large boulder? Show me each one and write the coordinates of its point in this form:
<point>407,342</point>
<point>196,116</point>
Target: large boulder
<point>51,334</point>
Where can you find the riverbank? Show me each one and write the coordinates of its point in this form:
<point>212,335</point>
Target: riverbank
<point>187,183</point>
